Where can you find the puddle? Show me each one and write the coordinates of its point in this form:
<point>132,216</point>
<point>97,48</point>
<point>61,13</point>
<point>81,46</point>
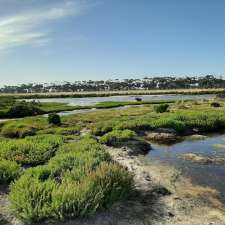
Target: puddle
<point>203,174</point>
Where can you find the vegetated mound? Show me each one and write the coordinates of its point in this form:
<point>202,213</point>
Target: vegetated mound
<point>16,129</point>
<point>23,108</point>
<point>9,171</point>
<point>126,138</point>
<point>30,150</point>
<point>77,182</point>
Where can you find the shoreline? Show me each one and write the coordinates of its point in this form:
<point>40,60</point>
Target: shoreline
<point>177,200</point>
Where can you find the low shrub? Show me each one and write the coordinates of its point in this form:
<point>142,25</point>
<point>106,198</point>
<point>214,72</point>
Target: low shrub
<point>102,128</point>
<point>99,189</point>
<point>116,137</point>
<point>32,150</point>
<point>17,130</point>
<point>215,104</point>
<point>179,126</point>
<point>85,144</point>
<point>81,161</point>
<point>136,124</point>
<point>61,131</point>
<point>75,183</point>
<point>161,108</point>
<point>31,198</point>
<point>9,171</point>
<point>22,109</point>
<point>204,121</point>
<point>54,118</point>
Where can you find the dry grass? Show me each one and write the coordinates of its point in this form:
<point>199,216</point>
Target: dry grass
<point>111,93</point>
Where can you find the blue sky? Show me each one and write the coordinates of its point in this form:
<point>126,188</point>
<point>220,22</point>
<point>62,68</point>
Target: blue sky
<point>58,40</point>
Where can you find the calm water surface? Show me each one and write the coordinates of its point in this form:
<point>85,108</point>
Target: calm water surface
<point>93,100</point>
<point>206,175</point>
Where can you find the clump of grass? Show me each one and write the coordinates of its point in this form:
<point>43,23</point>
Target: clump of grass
<point>75,183</point>
<point>75,130</point>
<point>204,121</point>
<point>31,150</point>
<point>9,171</point>
<point>161,108</point>
<point>31,197</point>
<point>102,128</point>
<point>17,129</point>
<point>98,190</point>
<point>166,122</point>
<point>116,137</point>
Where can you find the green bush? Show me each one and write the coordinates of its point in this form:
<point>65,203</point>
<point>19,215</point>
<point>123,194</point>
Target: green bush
<point>75,183</point>
<point>17,130</point>
<point>31,198</point>
<point>9,171</point>
<point>61,130</point>
<point>179,126</point>
<point>102,128</point>
<point>215,104</point>
<point>31,150</point>
<point>204,121</point>
<point>54,118</point>
<point>116,137</point>
<point>22,109</point>
<point>99,189</point>
<point>161,108</point>
<point>34,199</point>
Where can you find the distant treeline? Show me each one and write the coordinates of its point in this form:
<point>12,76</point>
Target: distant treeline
<point>156,83</point>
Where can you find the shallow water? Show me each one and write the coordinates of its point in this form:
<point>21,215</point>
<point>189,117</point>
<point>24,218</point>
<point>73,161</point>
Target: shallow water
<point>93,100</point>
<point>206,175</point>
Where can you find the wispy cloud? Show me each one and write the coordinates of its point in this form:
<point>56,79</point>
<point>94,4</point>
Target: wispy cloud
<point>29,28</point>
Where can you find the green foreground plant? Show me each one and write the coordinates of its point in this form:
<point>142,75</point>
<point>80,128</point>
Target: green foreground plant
<point>31,150</point>
<point>9,171</point>
<point>77,182</point>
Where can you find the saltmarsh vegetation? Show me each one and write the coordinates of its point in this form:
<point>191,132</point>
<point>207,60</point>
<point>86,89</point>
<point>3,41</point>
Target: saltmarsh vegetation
<point>31,150</point>
<point>79,180</point>
<point>76,179</point>
<point>161,108</point>
<point>200,117</point>
<point>10,107</point>
<point>9,171</point>
<point>116,137</point>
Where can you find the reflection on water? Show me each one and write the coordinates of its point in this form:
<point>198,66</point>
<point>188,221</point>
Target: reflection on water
<point>207,175</point>
<point>94,100</point>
